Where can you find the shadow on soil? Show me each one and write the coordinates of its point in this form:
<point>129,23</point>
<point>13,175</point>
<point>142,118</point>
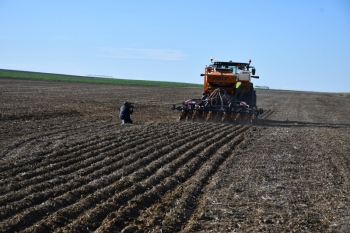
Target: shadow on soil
<point>289,124</point>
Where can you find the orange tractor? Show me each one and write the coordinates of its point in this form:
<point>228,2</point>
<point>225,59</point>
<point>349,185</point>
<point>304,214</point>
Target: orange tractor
<point>228,96</point>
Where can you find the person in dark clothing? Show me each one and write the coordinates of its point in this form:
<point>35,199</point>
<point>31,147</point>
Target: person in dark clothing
<point>125,111</point>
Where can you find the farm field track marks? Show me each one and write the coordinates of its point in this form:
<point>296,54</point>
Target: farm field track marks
<point>175,151</point>
<point>86,158</point>
<point>186,182</point>
<point>67,165</point>
<point>87,163</point>
<point>54,154</point>
<point>176,208</point>
<point>54,143</point>
<point>266,114</point>
<point>63,162</point>
<point>82,192</point>
<point>157,174</point>
<point>35,182</point>
<point>41,135</point>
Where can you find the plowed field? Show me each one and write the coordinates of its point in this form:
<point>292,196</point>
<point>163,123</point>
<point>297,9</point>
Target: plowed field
<point>68,165</point>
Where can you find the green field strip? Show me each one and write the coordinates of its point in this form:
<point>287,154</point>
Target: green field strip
<point>85,79</point>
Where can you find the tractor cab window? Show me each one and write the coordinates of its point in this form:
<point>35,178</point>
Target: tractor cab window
<point>226,67</point>
<point>222,66</point>
<point>239,68</point>
<point>233,69</point>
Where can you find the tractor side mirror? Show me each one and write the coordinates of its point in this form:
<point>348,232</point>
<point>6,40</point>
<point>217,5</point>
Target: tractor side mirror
<point>253,71</point>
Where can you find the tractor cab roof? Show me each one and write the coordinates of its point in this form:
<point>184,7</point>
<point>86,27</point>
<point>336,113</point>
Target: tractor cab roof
<point>230,63</point>
<point>225,64</point>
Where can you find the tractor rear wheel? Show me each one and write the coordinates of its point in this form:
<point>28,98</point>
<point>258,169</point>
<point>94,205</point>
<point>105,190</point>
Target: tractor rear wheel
<point>250,96</point>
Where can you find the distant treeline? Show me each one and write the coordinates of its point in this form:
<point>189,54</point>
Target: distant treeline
<point>262,87</point>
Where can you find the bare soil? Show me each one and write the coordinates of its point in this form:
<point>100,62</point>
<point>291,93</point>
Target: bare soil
<point>68,165</point>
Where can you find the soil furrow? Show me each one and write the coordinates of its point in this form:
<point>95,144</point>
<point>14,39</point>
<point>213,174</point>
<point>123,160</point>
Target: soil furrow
<point>86,145</point>
<point>70,157</point>
<point>57,158</point>
<point>190,213</point>
<point>29,140</point>
<point>64,166</point>
<point>152,190</point>
<point>97,170</point>
<point>77,193</point>
<point>92,164</point>
<point>176,207</point>
<point>165,167</point>
<point>266,114</point>
<point>54,152</point>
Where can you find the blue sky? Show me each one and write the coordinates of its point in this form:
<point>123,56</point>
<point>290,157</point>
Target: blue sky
<point>294,45</point>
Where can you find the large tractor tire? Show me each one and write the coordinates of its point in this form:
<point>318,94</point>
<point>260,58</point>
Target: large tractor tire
<point>254,99</point>
<point>250,96</point>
